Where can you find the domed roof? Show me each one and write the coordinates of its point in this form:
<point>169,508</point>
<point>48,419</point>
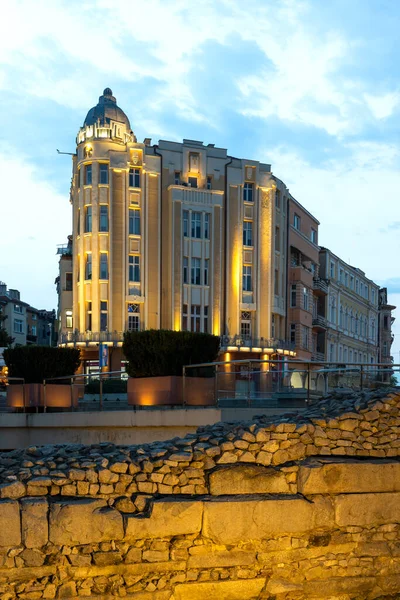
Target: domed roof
<point>106,111</point>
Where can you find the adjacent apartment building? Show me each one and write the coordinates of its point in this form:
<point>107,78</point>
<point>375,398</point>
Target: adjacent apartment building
<point>183,236</point>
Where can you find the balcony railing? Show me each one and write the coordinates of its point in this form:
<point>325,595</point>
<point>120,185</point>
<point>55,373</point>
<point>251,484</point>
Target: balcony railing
<point>240,341</point>
<point>64,249</point>
<point>318,356</point>
<point>91,336</point>
<point>319,321</point>
<point>320,285</point>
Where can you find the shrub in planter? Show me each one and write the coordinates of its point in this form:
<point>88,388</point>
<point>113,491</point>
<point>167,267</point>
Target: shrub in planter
<point>35,363</point>
<point>161,352</point>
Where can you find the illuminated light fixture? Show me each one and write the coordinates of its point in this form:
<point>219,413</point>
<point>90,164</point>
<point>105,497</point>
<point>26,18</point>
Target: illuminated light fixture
<point>244,349</point>
<point>268,350</point>
<point>257,349</point>
<point>286,352</point>
<point>232,348</point>
<point>292,353</point>
<point>117,170</point>
<point>152,174</point>
<point>279,351</point>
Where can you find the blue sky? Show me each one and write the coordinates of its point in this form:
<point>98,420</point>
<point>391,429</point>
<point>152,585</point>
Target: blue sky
<point>311,87</point>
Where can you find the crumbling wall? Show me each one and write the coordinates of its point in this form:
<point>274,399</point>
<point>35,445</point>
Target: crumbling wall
<point>296,508</point>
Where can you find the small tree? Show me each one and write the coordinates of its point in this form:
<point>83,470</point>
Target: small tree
<point>160,352</point>
<point>5,339</point>
<point>35,363</point>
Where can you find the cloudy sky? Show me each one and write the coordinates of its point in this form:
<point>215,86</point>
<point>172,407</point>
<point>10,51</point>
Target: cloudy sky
<point>311,86</point>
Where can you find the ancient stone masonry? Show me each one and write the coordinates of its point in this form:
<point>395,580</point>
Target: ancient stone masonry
<point>292,507</point>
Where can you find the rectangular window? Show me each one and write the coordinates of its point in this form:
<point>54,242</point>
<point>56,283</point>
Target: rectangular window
<point>209,183</point>
<point>134,178</point>
<point>184,317</point>
<point>185,269</point>
<point>248,192</point>
<point>103,271</point>
<point>195,271</point>
<point>293,294</point>
<point>296,222</point>
<point>346,279</point>
<point>341,275</point>
<point>373,296</point>
<point>313,236</point>
<point>34,317</point>
<point>68,282</point>
<point>351,282</point>
<point>247,233</point>
<point>185,223</point>
<point>68,319</point>
<point>245,324</point>
<point>276,283</point>
<point>332,272</point>
<point>133,317</point>
<point>134,268</point>
<point>305,298</point>
<point>207,226</point>
<point>103,174</point>
<point>205,320</point>
<point>103,217</point>
<point>385,322</point>
<point>195,318</point>
<point>304,337</point>
<point>192,181</point>
<point>18,308</point>
<point>356,286</point>
<point>384,353</point>
<point>331,352</point>
<point>88,175</point>
<point>277,199</point>
<point>206,265</point>
<point>177,178</point>
<point>103,315</point>
<point>88,219</point>
<point>88,267</point>
<point>277,239</point>
<point>18,325</point>
<point>293,333</point>
<point>247,278</point>
<point>134,221</point>
<point>196,225</point>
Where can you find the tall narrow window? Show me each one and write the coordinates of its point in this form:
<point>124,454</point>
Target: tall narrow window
<point>195,318</point>
<point>177,178</point>
<point>185,219</point>
<point>209,183</point>
<point>277,199</point>
<point>192,181</point>
<point>195,272</point>
<point>205,320</point>
<point>248,192</point>
<point>296,222</point>
<point>277,239</point>
<point>184,317</point>
<point>134,178</point>
<point>103,217</point>
<point>206,264</point>
<point>247,233</point>
<point>103,315</point>
<point>247,278</point>
<point>245,324</point>
<point>293,333</point>
<point>305,298</point>
<point>68,319</point>
<point>313,236</point>
<point>88,175</point>
<point>133,317</point>
<point>134,268</point>
<point>185,269</point>
<point>134,221</point>
<point>88,219</point>
<point>103,266</point>
<point>293,293</point>
<point>68,282</point>
<point>88,267</point>
<point>196,225</point>
<point>207,226</point>
<point>103,174</point>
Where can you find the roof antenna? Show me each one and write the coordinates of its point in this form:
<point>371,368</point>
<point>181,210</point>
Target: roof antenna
<point>70,153</point>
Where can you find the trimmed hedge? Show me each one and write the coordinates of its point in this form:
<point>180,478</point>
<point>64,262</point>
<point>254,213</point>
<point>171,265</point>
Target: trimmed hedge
<point>35,363</point>
<point>160,352</point>
<point>110,386</point>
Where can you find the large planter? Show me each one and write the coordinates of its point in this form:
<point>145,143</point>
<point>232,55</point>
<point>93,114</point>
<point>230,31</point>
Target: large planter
<point>167,391</point>
<point>57,396</point>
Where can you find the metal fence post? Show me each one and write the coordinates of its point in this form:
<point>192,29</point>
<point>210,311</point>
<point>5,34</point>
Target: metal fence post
<point>248,383</point>
<point>101,393</point>
<point>308,382</point>
<point>183,386</point>
<point>24,394</point>
<point>44,395</point>
<point>361,377</point>
<point>216,385</point>
<point>72,394</point>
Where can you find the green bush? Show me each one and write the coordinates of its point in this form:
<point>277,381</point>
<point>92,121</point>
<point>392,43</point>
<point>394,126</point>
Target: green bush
<point>160,352</point>
<point>110,386</point>
<point>35,363</point>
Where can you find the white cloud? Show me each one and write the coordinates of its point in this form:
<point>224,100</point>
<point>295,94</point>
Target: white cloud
<point>382,106</point>
<point>32,215</point>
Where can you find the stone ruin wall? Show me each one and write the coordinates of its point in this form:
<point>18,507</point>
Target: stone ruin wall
<point>295,507</point>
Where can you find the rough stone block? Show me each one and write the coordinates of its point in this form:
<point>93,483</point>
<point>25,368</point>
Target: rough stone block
<point>13,489</point>
<point>84,521</point>
<point>367,510</point>
<point>248,479</point>
<point>166,519</point>
<point>349,477</point>
<point>35,528</point>
<point>10,523</point>
<point>234,521</point>
<point>341,585</point>
<point>242,589</point>
<point>225,558</point>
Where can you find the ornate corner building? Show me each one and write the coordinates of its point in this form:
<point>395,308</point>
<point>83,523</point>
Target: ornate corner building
<point>183,236</point>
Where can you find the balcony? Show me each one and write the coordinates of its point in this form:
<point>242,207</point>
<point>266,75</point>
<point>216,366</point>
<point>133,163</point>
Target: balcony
<point>245,344</point>
<point>320,285</point>
<point>318,357</point>
<point>93,338</point>
<point>64,249</point>
<point>319,322</point>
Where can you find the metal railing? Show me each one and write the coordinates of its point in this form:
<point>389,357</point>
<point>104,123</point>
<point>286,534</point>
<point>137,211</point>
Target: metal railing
<point>91,336</point>
<point>242,341</point>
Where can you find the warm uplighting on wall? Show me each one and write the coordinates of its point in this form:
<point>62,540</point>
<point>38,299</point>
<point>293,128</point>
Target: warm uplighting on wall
<point>232,348</point>
<point>268,350</point>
